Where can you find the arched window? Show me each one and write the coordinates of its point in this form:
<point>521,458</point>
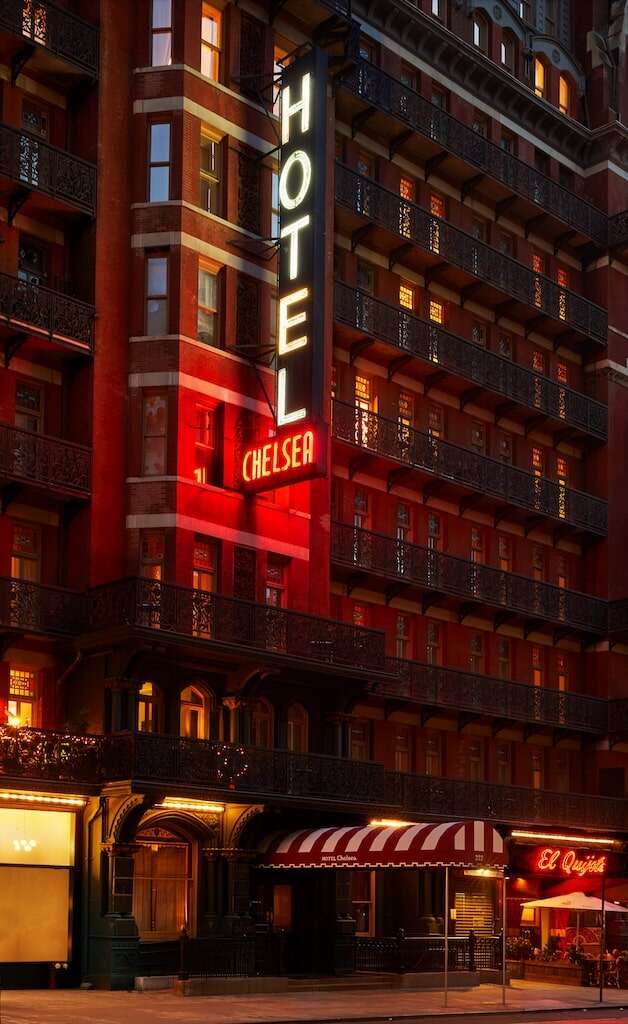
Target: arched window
<point>508,51</point>
<point>196,705</point>
<point>480,33</point>
<point>564,95</point>
<point>262,734</point>
<point>297,738</point>
<point>148,708</point>
<point>540,78</point>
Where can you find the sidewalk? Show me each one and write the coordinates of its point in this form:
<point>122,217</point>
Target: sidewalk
<point>67,1007</point>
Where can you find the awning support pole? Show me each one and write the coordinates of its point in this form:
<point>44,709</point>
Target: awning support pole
<point>603,938</point>
<point>504,978</point>
<point>446,933</point>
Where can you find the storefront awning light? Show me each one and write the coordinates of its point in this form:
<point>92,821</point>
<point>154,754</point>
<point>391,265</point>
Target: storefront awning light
<point>574,840</point>
<point>390,822</point>
<point>39,798</point>
<point>173,803</point>
<point>483,873</point>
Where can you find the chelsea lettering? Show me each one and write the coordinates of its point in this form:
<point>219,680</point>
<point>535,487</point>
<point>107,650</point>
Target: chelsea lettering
<point>281,455</point>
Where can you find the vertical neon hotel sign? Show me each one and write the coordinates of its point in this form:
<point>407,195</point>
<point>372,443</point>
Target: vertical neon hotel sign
<point>298,451</point>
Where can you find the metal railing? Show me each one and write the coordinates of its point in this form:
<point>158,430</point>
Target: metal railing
<point>32,306</point>
<point>35,608</point>
<point>388,94</point>
<point>54,28</point>
<point>482,584</point>
<point>421,953</point>
<point>27,456</point>
<point>409,447</point>
<point>35,164</point>
<point>415,226</point>
<point>442,350</point>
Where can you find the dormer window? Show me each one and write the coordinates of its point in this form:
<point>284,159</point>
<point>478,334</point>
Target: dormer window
<point>564,95</point>
<point>540,85</point>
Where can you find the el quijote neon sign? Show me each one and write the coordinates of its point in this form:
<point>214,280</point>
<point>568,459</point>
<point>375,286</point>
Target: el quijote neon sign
<point>550,860</point>
<point>298,450</point>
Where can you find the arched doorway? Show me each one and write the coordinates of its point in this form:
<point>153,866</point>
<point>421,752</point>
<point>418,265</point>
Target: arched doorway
<point>197,705</point>
<point>163,897</point>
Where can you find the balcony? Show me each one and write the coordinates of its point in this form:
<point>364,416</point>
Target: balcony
<point>447,468</point>
<point>32,608</point>
<point>504,701</point>
<point>365,554</point>
<point>38,177</point>
<point>237,773</point>
<point>46,462</point>
<point>431,246</point>
<point>30,312</point>
<point>618,230</point>
<point>236,626</point>
<point>56,41</point>
<point>490,376</point>
<point>509,183</point>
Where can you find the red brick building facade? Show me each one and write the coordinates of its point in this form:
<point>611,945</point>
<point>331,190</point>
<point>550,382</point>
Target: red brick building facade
<point>434,628</point>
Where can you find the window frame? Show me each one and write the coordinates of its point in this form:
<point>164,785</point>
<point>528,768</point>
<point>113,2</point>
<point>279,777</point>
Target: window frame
<point>160,30</point>
<point>153,164</point>
<point>154,256</point>
<point>215,49</point>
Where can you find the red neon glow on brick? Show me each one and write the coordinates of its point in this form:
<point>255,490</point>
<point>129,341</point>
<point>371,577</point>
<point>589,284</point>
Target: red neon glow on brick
<point>567,862</point>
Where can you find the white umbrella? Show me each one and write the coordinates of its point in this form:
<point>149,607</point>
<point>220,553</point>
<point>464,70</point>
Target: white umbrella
<point>577,901</point>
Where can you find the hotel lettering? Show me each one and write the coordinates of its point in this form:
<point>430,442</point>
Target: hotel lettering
<point>298,451</point>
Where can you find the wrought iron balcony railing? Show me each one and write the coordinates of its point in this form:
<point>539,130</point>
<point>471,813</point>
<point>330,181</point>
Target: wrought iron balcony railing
<point>56,29</point>
<point>35,164</point>
<point>151,604</point>
<point>443,350</point>
<point>29,306</point>
<point>34,608</point>
<point>449,462</point>
<point>618,230</point>
<point>415,226</point>
<point>48,461</point>
<point>38,754</point>
<point>388,94</point>
<point>437,686</point>
<point>377,554</point>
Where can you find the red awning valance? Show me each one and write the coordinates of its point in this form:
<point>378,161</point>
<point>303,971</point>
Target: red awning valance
<point>454,843</point>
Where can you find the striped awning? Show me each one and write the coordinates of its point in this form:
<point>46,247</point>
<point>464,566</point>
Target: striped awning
<point>453,843</point>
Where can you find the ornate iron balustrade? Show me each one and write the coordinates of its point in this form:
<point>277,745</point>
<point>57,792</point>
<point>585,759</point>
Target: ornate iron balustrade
<point>33,306</point>
<point>39,609</point>
<point>25,455</point>
<point>388,94</point>
<point>448,574</point>
<point>435,235</point>
<point>441,687</point>
<point>441,349</point>
<point>151,604</point>
<point>35,164</point>
<point>408,447</point>
<point>445,798</point>
<point>54,28</point>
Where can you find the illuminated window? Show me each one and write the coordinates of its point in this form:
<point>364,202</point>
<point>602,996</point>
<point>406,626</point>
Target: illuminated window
<point>406,296</point>
<point>208,306</point>
<point>564,95</point>
<point>538,461</point>
<point>155,437</point>
<point>275,589</point>
<point>359,615</point>
<point>436,311</point>
<point>561,468</point>
<point>148,708</point>
<point>432,644</point>
<point>210,42</point>
<point>437,210</point>
<point>402,636</point>
<point>561,473</point>
<point>28,406</point>
<point>22,697</point>
<point>405,408</point>
<point>435,421</point>
<point>538,267</point>
<point>211,173</point>
<point>205,564</point>
<point>562,373</point>
<point>539,77</point>
<point>362,389</point>
<point>562,278</point>
<point>437,205</point>
<point>195,709</point>
<point>407,189</point>
<point>437,8</point>
<point>297,729</point>
<point>157,295</point>
<point>562,673</point>
<point>152,546</point>
<point>480,33</point>
<point>161,33</point>
<point>538,361</point>
<point>503,658</point>
<point>403,747</point>
<point>562,574</point>
<point>537,666</point>
<point>26,553</point>
<point>204,446</point>
<point>159,162</point>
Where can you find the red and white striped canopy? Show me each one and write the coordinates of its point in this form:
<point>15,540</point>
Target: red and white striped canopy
<point>453,843</point>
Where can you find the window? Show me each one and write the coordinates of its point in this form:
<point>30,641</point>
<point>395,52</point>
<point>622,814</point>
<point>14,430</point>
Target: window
<point>402,636</point>
<point>475,761</point>
<point>503,659</point>
<point>159,162</point>
<point>435,421</point>
<point>36,120</point>
<point>363,901</point>
<point>209,306</point>
<point>211,173</point>
<point>210,42</point>
<point>476,653</point>
<point>539,77</point>
<point>507,51</point>
<point>538,673</point>
<point>21,706</point>
<point>437,211</point>
<point>566,178</point>
<point>505,447</point>
<point>363,404</point>
<point>562,278</point>
<point>155,435</point>
<point>477,546</point>
<point>506,244</point>
<point>478,437</point>
<point>504,553</point>
<point>205,446</point>
<point>538,361</point>
<point>297,729</point>
<point>480,125</point>
<point>366,277</point>
<point>360,508</point>
<point>28,406</point>
<point>205,564</point>
<point>405,416</point>
<point>360,741</point>
<point>147,714</point>
<point>406,295</point>
<point>478,333</point>
<point>365,164</point>
<point>437,8</point>
<point>550,17</point>
<point>433,755</point>
<point>161,33</point>
<point>262,724</point>
<point>564,95</point>
<point>32,260</point>
<point>537,765</point>
<point>504,346</point>
<point>275,590</point>
<point>524,10</point>
<point>157,295</point>
<point>538,564</point>
<point>562,476</point>
<point>562,673</point>
<point>508,142</point>
<point>358,615</point>
<point>26,553</point>
<point>403,748</point>
<point>195,711</point>
<point>407,192</point>
<point>152,555</point>
<point>436,312</point>
<point>504,764</point>
<point>480,33</point>
<point>433,644</point>
<point>409,77</point>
